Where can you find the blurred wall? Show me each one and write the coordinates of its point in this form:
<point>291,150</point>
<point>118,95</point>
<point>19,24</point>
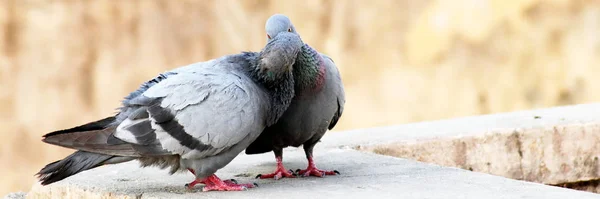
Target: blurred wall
<point>63,63</point>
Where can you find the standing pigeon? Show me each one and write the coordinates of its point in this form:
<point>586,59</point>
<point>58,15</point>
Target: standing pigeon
<point>317,106</point>
<point>198,117</point>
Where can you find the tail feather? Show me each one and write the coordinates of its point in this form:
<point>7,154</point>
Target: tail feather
<point>96,125</point>
<point>71,165</point>
<point>93,141</point>
<point>94,137</point>
<point>93,133</point>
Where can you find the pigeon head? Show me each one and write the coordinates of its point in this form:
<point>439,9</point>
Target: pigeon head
<point>279,55</point>
<point>273,69</point>
<point>278,23</point>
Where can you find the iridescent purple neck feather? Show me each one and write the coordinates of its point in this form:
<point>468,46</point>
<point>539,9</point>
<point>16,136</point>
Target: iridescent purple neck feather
<point>309,71</point>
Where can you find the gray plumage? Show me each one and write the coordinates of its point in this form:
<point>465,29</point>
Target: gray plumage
<point>198,117</point>
<point>317,106</point>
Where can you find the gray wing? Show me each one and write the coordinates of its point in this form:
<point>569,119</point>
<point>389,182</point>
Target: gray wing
<point>197,112</point>
<point>339,89</point>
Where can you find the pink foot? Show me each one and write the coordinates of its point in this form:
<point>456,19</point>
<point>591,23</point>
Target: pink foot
<point>234,182</point>
<point>279,173</point>
<point>215,184</point>
<point>312,170</point>
<point>191,185</point>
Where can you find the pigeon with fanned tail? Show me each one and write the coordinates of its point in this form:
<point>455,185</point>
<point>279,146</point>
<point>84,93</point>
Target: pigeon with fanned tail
<point>317,106</point>
<point>198,117</point>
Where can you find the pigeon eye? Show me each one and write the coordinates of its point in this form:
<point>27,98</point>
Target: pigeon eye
<point>289,29</point>
<point>268,36</point>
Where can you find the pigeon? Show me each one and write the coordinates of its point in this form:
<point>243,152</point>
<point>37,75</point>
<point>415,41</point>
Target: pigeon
<point>197,117</point>
<point>316,107</point>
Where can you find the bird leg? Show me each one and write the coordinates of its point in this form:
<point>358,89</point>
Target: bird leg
<point>312,170</point>
<point>207,182</point>
<point>279,173</point>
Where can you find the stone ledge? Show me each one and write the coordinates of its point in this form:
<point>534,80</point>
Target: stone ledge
<point>551,146</point>
<point>549,155</point>
<point>365,174</point>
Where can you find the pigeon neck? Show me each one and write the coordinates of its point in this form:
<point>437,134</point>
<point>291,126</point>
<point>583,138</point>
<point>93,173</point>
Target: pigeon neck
<point>280,88</point>
<point>309,71</point>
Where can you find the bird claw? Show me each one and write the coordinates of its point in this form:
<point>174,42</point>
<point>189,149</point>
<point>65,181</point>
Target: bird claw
<point>313,171</point>
<point>231,181</point>
<point>213,183</point>
<point>292,172</point>
<point>279,173</point>
<point>224,188</point>
<point>191,185</point>
<point>228,185</point>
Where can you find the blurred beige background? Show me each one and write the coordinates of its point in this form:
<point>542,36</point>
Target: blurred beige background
<point>63,63</point>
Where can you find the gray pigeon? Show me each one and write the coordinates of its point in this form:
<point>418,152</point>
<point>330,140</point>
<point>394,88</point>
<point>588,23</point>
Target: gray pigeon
<point>317,106</point>
<point>198,117</point>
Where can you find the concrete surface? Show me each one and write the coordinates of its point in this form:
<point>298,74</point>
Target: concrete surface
<point>364,174</point>
<point>551,146</point>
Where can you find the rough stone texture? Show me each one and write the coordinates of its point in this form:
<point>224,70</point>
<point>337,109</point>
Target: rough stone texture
<point>551,155</point>
<point>551,146</point>
<point>364,175</point>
